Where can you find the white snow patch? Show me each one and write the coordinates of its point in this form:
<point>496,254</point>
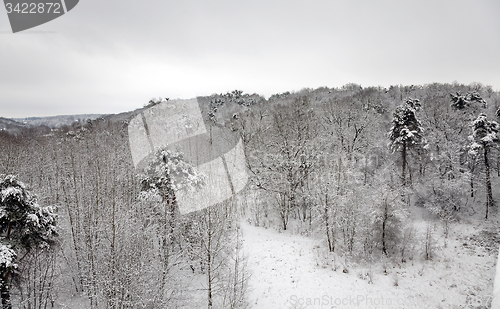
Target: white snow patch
<point>33,218</point>
<point>285,273</point>
<point>495,304</point>
<point>7,256</point>
<point>10,191</point>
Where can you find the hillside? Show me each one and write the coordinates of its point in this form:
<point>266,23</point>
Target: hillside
<point>54,122</point>
<point>8,124</point>
<point>293,271</point>
<point>44,125</point>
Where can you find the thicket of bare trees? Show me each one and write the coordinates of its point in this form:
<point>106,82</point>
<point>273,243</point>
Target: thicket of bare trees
<point>320,163</point>
<point>341,174</point>
<point>121,249</point>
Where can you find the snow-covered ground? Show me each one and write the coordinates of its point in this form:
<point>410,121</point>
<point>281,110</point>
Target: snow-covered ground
<point>496,292</point>
<point>289,271</point>
<point>292,271</point>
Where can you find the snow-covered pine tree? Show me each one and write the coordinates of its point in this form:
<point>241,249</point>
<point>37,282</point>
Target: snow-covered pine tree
<point>24,226</point>
<point>460,101</point>
<point>406,132</point>
<point>463,103</point>
<point>167,173</point>
<point>484,137</point>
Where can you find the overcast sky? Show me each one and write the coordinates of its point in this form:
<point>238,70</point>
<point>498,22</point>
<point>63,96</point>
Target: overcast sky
<point>113,56</point>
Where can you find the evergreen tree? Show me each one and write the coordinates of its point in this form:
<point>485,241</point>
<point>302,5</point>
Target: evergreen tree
<point>484,136</point>
<point>464,105</point>
<point>24,226</point>
<point>460,102</point>
<point>167,173</point>
<point>406,132</point>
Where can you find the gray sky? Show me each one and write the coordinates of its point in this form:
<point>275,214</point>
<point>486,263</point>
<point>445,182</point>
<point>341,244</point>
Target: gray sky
<point>113,56</point>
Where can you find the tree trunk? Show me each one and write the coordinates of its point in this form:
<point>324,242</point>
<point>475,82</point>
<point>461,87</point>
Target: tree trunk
<point>77,228</point>
<point>5,292</point>
<point>403,167</point>
<point>284,221</point>
<point>113,296</point>
<point>209,260</point>
<point>330,244</point>
<point>471,185</point>
<point>498,166</point>
<point>384,222</point>
<point>284,211</point>
<point>5,289</point>
<point>310,218</point>
<point>339,187</point>
<point>471,168</point>
<point>209,271</point>
<point>365,171</point>
<point>489,193</point>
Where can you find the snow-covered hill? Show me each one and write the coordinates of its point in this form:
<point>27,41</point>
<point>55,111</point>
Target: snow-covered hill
<point>57,121</point>
<point>291,271</point>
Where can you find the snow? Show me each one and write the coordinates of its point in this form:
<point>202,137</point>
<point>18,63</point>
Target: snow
<point>473,148</point>
<point>489,138</point>
<point>33,218</point>
<point>292,271</point>
<point>10,192</point>
<point>285,275</point>
<point>7,256</point>
<point>495,304</point>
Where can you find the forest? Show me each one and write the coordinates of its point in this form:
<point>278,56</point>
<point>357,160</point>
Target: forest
<point>351,167</point>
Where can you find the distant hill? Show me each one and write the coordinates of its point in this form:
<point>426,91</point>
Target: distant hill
<point>43,125</point>
<point>55,122</point>
<point>11,126</point>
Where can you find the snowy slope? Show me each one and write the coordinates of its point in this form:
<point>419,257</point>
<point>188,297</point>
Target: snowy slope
<point>496,291</point>
<point>287,272</point>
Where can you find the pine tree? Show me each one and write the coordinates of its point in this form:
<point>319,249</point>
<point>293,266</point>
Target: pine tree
<point>406,132</point>
<point>460,102</point>
<point>485,136</point>
<point>24,226</point>
<point>167,173</point>
<point>464,104</point>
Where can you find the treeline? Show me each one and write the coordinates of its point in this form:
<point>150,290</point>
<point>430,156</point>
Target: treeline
<point>348,164</point>
<point>319,161</point>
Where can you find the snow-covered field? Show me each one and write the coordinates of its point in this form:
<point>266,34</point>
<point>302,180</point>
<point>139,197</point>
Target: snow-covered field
<point>292,271</point>
<point>496,292</point>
